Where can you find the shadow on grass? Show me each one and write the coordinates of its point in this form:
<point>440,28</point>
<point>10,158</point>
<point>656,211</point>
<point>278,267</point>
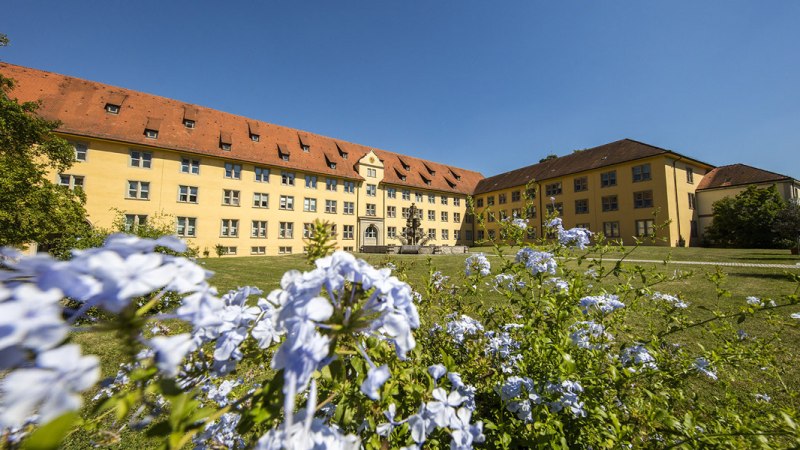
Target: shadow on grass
<point>772,276</point>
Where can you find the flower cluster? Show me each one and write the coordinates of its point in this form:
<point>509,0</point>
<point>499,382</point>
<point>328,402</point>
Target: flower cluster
<point>537,262</point>
<point>670,299</point>
<point>590,335</point>
<point>462,327</point>
<point>503,347</point>
<point>477,264</point>
<point>605,303</point>
<point>638,355</point>
<point>573,237</point>
<point>507,282</point>
<point>520,394</point>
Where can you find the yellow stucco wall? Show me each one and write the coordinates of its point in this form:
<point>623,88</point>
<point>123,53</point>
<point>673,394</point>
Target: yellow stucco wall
<point>107,171</point>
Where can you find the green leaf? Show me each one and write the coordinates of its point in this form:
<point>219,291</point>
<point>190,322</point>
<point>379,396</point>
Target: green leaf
<point>50,436</point>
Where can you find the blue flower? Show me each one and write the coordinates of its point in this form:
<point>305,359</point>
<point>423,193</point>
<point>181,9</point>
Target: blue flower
<point>537,262</point>
<point>376,377</point>
<point>477,264</point>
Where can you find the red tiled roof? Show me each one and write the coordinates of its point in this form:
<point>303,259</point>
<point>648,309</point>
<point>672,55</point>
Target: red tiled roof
<point>80,106</point>
<point>605,155</point>
<point>736,175</point>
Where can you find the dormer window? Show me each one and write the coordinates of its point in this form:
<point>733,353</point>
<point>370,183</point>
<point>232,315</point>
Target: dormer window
<point>332,165</point>
<point>151,134</point>
<point>255,137</point>
<point>253,129</point>
<point>283,153</point>
<point>188,123</point>
<point>112,109</point>
<point>405,166</point>
<point>304,143</point>
<point>225,142</point>
<point>305,148</point>
<point>114,102</point>
<point>402,178</point>
<point>430,171</point>
<point>427,181</point>
<point>152,127</point>
<point>189,116</point>
<point>342,153</point>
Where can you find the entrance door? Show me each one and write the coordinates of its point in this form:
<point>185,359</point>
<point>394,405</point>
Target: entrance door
<point>371,235</point>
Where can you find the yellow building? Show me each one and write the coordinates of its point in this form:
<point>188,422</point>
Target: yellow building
<point>729,181</point>
<point>621,189</point>
<point>255,188</point>
<point>252,187</point>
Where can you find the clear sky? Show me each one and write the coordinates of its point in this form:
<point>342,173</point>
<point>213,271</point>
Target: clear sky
<point>484,85</point>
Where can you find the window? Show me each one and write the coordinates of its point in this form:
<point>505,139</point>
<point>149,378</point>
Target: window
<point>457,235</point>
<point>284,250</point>
<point>491,234</point>
<point>81,149</point>
<point>693,228</point>
<point>641,173</point>
<point>555,207</point>
<point>391,192</point>
<point>391,232</point>
<point>480,235</point>
<point>225,146</point>
<point>689,175</point>
<point>608,179</point>
<point>582,206</point>
<point>444,199</point>
<point>260,200</point>
<point>349,186</point>
<point>311,181</point>
<point>188,123</point>
<point>71,181</point>
<point>418,197</point>
<point>334,233</point>
<point>330,206</point>
<point>643,199</point>
<point>349,208</point>
<point>347,232</point>
<point>581,184</point>
<point>189,165</point>
<point>372,173</point>
<point>431,214</point>
<point>515,196</point>
<point>306,148</point>
<point>112,108</point>
<point>371,232</point>
<point>187,194</point>
<point>258,229</point>
<point>503,214</point>
<point>139,190</point>
<point>262,174</point>
<point>391,211</point>
<point>233,171</point>
<point>610,203</point>
<point>552,189</point>
<point>229,250</point>
<point>308,230</point>
<point>457,217</point>
<point>141,159</point>
<point>186,226</point>
<point>372,190</point>
<point>287,179</point>
<point>611,229</point>
<point>419,213</point>
<point>490,200</point>
<point>230,228</point>
<point>134,221</point>
<point>151,134</point>
<point>692,200</point>
<point>406,212</point>
<point>371,209</point>
<point>501,199</point>
<point>286,230</point>
<point>431,233</point>
<point>255,137</point>
<point>490,217</point>
<point>230,197</point>
<point>445,235</point>
<point>287,202</point>
<point>330,184</point>
<point>444,216</point>
<point>456,201</point>
<point>309,204</point>
<point>530,212</point>
<point>645,227</point>
<point>530,193</point>
<point>406,194</point>
<point>258,250</point>
<point>479,203</point>
<point>431,199</point>
<point>585,226</point>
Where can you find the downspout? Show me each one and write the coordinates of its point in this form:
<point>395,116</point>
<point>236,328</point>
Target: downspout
<point>675,186</point>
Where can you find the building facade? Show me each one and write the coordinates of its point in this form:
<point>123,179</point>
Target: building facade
<point>255,188</point>
<point>252,187</point>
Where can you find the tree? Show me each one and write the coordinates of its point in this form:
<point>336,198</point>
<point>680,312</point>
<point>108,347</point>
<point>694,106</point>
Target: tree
<point>746,221</point>
<point>33,208</point>
<point>548,157</point>
<point>787,225</point>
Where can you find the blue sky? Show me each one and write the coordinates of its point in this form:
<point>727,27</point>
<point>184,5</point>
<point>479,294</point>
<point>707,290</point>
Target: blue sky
<point>488,86</point>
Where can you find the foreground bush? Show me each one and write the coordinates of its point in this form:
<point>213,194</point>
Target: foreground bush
<point>331,359</point>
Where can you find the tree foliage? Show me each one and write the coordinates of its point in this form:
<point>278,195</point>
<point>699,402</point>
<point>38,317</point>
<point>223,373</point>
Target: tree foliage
<point>548,157</point>
<point>787,225</point>
<point>33,208</point>
<point>746,221</point>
